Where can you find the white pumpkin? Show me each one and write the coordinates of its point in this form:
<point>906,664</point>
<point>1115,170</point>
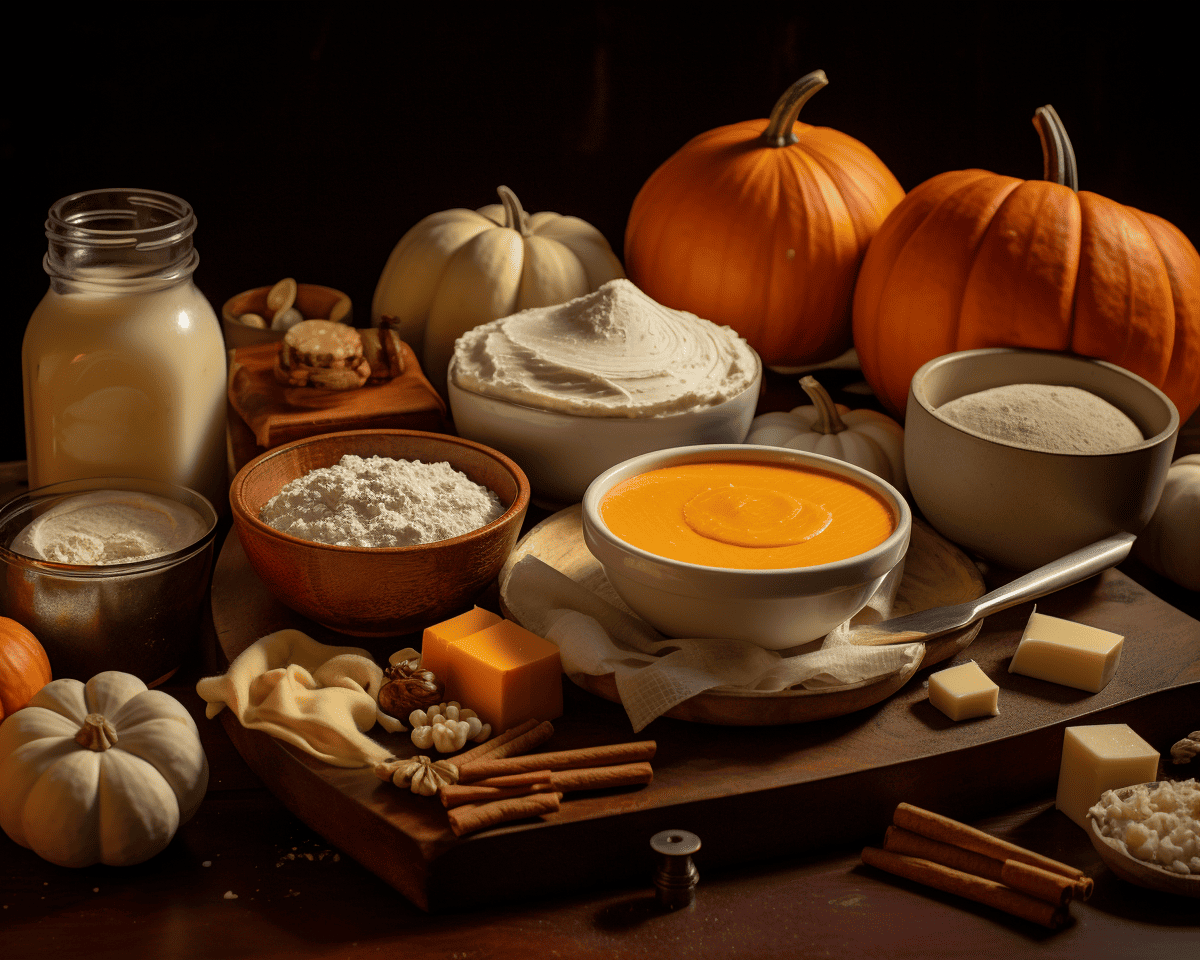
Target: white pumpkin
<point>459,268</point>
<point>1170,544</point>
<point>99,773</point>
<point>865,438</point>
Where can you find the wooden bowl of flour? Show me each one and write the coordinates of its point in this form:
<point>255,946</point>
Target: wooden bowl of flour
<point>1023,507</point>
<point>377,591</point>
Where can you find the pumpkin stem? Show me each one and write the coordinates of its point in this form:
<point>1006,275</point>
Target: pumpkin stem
<point>787,108</point>
<point>515,217</point>
<point>1058,156</point>
<point>96,733</point>
<point>828,419</point>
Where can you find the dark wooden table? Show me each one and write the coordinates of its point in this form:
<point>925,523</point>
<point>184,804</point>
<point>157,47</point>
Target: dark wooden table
<point>245,878</point>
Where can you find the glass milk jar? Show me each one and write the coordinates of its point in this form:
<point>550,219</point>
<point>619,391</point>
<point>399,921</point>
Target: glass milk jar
<point>123,360</point>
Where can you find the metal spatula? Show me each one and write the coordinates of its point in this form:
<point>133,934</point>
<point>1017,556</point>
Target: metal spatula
<point>927,624</point>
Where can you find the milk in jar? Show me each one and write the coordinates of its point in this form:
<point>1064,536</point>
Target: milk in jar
<point>123,360</point>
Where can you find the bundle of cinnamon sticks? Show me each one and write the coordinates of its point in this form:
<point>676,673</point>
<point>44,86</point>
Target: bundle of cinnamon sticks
<point>955,858</point>
<point>501,780</point>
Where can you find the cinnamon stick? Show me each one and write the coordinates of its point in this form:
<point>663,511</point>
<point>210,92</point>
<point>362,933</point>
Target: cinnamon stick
<point>523,784</point>
<point>472,817</point>
<point>1051,887</point>
<point>601,756</point>
<point>981,890</point>
<point>937,827</point>
<point>489,747</point>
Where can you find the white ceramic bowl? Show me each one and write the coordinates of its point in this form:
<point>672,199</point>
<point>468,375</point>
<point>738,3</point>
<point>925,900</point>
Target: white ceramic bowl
<point>562,453</point>
<point>1024,508</point>
<point>775,609</point>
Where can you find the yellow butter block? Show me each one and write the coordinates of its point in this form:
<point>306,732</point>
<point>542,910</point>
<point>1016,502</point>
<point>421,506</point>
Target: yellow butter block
<point>507,675</point>
<point>1100,757</point>
<point>963,692</point>
<point>1066,652</point>
<point>436,640</point>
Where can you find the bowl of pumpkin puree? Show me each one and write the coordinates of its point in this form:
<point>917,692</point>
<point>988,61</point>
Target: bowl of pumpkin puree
<point>768,545</point>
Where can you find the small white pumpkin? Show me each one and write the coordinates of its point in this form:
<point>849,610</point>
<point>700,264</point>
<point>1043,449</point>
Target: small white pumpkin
<point>865,438</point>
<point>460,268</point>
<point>1170,544</point>
<point>103,772</point>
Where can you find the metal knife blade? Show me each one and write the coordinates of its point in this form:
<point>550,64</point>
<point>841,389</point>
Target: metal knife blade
<point>1068,570</point>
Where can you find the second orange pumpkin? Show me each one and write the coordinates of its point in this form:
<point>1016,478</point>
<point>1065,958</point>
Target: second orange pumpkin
<point>975,259</point>
<point>761,226</point>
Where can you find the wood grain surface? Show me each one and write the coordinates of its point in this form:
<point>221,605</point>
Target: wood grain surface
<point>737,787</point>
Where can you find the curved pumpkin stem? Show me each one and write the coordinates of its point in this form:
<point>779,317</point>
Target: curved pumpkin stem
<point>96,733</point>
<point>1058,156</point>
<point>828,419</point>
<point>515,217</point>
<point>787,108</point>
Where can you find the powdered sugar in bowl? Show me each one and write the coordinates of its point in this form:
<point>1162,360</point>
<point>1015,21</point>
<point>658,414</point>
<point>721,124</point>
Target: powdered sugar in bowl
<point>380,590</point>
<point>1015,503</point>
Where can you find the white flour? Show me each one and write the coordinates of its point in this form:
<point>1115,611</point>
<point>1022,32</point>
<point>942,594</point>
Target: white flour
<point>110,526</point>
<point>1053,419</point>
<point>381,502</point>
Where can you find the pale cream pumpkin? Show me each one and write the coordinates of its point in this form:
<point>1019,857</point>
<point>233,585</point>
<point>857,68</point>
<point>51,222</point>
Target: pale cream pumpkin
<point>459,268</point>
<point>103,772</point>
<point>1170,544</point>
<point>865,438</point>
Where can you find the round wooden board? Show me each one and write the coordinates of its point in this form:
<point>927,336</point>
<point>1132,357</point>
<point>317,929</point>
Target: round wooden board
<point>936,573</point>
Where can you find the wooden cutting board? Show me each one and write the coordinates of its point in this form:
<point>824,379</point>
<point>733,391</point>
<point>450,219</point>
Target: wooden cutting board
<point>750,793</point>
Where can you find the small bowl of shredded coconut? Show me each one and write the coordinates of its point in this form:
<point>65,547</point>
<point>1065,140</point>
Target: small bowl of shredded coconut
<point>1022,456</point>
<point>378,532</point>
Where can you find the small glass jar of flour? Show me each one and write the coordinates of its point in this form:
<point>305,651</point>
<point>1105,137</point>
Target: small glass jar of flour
<point>123,360</point>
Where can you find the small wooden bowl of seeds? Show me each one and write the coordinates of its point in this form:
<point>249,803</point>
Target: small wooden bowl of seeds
<point>265,314</point>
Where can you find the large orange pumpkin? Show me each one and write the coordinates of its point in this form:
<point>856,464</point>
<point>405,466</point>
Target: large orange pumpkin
<point>761,225</point>
<point>974,259</point>
<point>24,666</point>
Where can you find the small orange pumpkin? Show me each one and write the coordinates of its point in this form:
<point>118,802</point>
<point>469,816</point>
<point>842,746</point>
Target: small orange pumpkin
<point>974,259</point>
<point>24,666</point>
<point>761,226</point>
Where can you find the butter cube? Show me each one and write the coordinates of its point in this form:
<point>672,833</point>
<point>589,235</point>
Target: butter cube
<point>507,675</point>
<point>436,640</point>
<point>1065,652</point>
<point>1100,757</point>
<point>963,692</point>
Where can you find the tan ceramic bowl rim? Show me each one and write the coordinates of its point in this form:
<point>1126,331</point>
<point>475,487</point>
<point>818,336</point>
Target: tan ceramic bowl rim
<point>65,489</point>
<point>227,311</point>
<point>754,386</point>
<point>243,514</point>
<point>1067,360</point>
<point>810,579</point>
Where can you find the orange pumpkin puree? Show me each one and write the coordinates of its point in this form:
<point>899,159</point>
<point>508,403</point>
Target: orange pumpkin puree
<point>754,516</point>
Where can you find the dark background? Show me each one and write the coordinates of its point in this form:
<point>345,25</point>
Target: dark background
<point>309,137</point>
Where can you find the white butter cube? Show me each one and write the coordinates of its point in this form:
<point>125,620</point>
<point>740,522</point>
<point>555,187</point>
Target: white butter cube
<point>1066,652</point>
<point>1100,757</point>
<point>963,692</point>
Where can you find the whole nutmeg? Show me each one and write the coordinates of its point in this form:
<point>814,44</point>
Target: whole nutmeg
<point>409,687</point>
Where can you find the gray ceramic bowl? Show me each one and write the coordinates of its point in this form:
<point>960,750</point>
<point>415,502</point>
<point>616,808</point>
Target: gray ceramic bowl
<point>774,609</point>
<point>1023,508</point>
<point>140,617</point>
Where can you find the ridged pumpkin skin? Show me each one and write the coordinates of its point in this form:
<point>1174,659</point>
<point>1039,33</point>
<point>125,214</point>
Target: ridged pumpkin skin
<point>24,666</point>
<point>975,259</point>
<point>764,238</point>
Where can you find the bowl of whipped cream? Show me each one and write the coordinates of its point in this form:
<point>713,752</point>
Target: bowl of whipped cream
<point>570,390</point>
<point>108,573</point>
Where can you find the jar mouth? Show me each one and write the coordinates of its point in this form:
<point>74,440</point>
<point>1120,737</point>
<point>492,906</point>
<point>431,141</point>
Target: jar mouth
<point>120,234</point>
